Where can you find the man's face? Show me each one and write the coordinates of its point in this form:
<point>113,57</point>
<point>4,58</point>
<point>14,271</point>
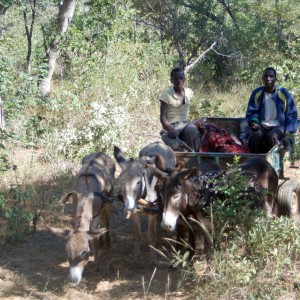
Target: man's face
<point>269,79</point>
<point>178,79</point>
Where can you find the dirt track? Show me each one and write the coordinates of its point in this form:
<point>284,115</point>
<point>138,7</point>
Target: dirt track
<point>38,269</point>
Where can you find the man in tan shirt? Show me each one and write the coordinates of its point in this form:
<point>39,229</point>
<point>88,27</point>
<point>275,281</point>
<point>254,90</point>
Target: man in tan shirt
<point>174,109</point>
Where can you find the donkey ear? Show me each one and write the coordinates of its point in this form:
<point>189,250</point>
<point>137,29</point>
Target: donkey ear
<point>120,158</point>
<point>66,198</point>
<point>186,174</point>
<point>96,233</point>
<point>156,172</point>
<point>160,162</point>
<point>184,201</point>
<point>65,233</point>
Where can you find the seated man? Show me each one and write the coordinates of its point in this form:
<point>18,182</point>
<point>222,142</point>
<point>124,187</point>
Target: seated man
<point>177,132</point>
<point>271,115</point>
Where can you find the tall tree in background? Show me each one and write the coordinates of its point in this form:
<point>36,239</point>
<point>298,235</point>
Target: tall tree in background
<point>29,29</point>
<point>194,27</point>
<point>4,6</point>
<point>65,15</point>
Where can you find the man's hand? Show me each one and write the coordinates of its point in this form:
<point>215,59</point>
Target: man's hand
<point>254,126</point>
<point>172,134</point>
<point>286,141</point>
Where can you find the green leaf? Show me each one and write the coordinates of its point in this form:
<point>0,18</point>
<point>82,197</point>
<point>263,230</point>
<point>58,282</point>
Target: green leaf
<point>6,3</point>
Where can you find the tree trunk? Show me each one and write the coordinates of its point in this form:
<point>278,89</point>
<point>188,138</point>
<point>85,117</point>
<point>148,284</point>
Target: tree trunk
<point>3,10</point>
<point>2,123</point>
<point>64,18</point>
<point>3,13</point>
<point>279,26</point>
<point>29,32</point>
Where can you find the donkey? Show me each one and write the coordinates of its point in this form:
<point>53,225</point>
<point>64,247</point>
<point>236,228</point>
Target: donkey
<point>137,186</point>
<point>186,192</point>
<point>92,204</point>
<point>196,191</point>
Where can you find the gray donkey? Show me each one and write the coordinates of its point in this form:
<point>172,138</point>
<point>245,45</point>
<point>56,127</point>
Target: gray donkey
<point>92,204</point>
<point>137,186</point>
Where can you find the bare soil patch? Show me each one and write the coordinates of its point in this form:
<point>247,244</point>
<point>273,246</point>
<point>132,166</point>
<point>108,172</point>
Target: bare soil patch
<point>37,267</point>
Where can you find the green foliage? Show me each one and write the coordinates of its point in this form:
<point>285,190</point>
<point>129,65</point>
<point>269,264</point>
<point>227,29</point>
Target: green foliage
<point>232,214</point>
<point>295,153</point>
<point>15,214</point>
<point>102,131</point>
<point>273,239</point>
<point>252,249</point>
<point>6,3</point>
<point>207,108</point>
<point>6,78</point>
<point>5,137</point>
<point>235,269</point>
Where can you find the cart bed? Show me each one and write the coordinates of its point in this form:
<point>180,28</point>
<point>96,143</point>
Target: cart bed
<point>277,157</point>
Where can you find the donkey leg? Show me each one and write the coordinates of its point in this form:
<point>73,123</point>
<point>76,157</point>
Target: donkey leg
<point>152,237</point>
<point>96,249</point>
<point>269,202</point>
<point>137,234</point>
<point>104,223</point>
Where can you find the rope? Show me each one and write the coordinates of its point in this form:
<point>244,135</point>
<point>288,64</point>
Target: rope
<point>181,142</point>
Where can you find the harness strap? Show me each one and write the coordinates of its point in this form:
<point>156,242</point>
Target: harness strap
<point>98,194</point>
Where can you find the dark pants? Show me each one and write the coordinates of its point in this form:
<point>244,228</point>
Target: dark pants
<point>263,139</point>
<point>187,133</point>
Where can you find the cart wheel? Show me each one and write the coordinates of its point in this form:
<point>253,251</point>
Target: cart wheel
<point>288,198</point>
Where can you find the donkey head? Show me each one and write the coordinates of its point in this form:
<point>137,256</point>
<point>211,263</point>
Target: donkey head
<point>78,249</point>
<point>134,180</point>
<point>174,188</point>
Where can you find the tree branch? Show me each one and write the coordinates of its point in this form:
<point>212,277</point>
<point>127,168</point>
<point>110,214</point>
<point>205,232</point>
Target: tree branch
<point>3,10</point>
<point>192,65</point>
<point>176,41</point>
<point>138,22</point>
<point>227,8</point>
<point>207,14</point>
<point>194,52</point>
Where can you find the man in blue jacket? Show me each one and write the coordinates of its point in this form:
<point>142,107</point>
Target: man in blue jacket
<point>271,115</point>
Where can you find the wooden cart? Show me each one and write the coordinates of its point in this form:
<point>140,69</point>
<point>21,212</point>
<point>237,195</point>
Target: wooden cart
<point>279,158</point>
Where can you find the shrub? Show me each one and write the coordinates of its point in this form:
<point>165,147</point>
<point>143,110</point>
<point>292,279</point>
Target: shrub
<point>16,216</point>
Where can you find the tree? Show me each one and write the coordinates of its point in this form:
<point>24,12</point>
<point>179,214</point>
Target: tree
<point>64,18</point>
<point>29,30</point>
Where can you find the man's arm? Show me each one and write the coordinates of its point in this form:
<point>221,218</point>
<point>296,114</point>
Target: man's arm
<point>164,121</point>
<point>291,115</point>
<point>253,109</point>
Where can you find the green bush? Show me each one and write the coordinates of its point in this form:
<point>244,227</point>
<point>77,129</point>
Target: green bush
<point>273,239</point>
<point>15,213</point>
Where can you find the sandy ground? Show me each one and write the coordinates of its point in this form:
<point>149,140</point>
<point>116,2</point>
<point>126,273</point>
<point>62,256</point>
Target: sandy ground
<point>38,269</point>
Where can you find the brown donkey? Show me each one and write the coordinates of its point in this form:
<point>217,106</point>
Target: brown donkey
<point>186,192</point>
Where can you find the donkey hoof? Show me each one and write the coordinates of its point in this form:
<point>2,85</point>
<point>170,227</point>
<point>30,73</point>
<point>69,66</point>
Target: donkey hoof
<point>97,268</point>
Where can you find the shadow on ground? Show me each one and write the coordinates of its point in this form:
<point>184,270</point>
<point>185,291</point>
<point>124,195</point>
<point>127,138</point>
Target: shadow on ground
<point>38,268</point>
